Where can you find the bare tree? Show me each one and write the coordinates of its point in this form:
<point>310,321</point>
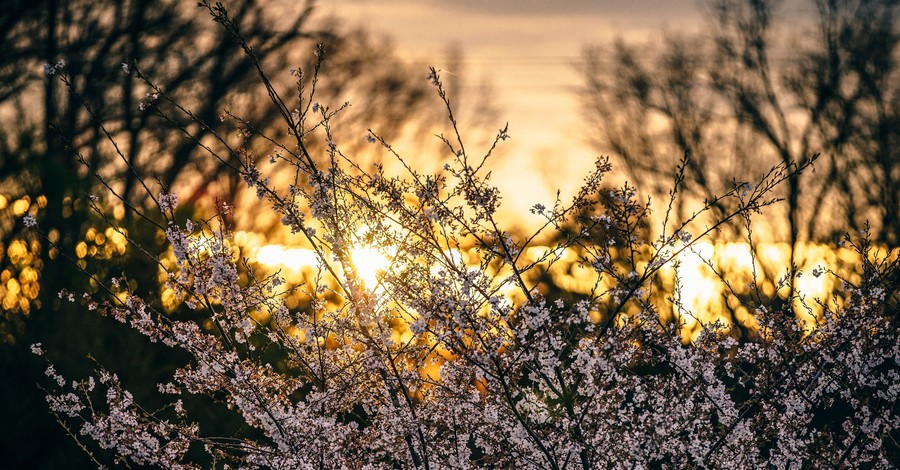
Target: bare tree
<point>753,92</point>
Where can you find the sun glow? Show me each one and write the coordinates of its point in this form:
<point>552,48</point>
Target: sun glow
<point>369,264</point>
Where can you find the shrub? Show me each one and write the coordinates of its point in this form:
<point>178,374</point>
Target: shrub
<point>448,363</point>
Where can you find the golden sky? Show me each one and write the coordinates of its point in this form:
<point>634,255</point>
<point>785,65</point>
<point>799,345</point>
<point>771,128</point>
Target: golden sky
<point>528,51</point>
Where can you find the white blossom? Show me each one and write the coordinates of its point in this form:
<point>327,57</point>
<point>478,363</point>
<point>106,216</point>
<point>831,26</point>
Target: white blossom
<point>167,202</point>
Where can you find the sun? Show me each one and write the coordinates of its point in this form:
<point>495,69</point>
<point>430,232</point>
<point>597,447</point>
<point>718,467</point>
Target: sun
<point>369,263</point>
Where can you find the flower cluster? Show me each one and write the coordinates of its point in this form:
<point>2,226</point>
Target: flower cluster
<point>167,202</point>
<point>53,69</point>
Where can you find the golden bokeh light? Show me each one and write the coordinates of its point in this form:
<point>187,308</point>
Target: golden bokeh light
<point>81,249</point>
<point>21,206</point>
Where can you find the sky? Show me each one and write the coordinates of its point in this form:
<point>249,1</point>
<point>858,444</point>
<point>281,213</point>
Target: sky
<point>527,50</point>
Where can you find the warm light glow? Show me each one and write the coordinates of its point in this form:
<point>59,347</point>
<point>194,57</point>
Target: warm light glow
<point>702,291</point>
<point>703,297</point>
<point>294,259</point>
<point>699,290</point>
<point>369,263</point>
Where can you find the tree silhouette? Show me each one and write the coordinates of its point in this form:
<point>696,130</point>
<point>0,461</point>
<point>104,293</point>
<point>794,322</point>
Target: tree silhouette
<point>762,87</point>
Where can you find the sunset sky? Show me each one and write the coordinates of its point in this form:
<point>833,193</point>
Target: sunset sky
<point>528,51</point>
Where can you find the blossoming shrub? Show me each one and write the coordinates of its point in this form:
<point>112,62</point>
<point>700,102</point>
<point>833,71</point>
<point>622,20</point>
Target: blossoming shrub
<point>450,364</point>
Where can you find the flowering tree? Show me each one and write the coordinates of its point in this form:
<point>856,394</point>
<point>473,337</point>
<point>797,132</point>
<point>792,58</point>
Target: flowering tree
<point>442,362</point>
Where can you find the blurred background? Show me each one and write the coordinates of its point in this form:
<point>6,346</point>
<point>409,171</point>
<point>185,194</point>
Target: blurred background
<point>740,85</point>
